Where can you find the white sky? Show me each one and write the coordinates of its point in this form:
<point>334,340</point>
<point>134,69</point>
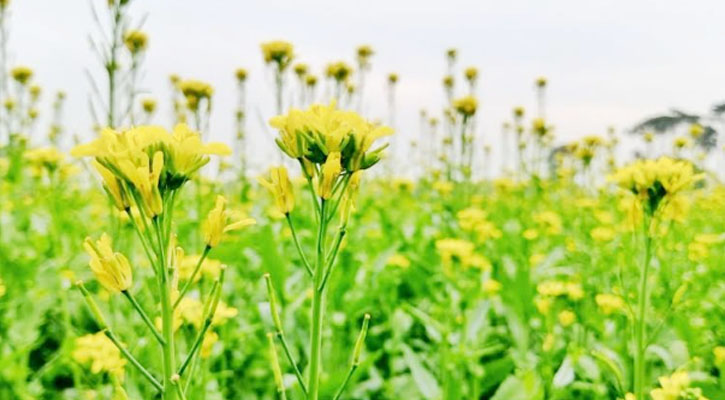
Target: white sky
<point>609,62</point>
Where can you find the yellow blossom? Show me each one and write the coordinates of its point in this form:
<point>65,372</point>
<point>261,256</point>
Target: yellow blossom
<point>97,350</point>
<point>21,74</point>
<point>112,269</point>
<point>466,106</point>
<point>491,286</point>
<point>602,234</point>
<point>281,188</point>
<point>135,41</point>
<point>279,52</point>
<point>566,318</point>
<point>609,303</point>
<point>210,339</point>
<point>216,223</point>
<point>398,260</point>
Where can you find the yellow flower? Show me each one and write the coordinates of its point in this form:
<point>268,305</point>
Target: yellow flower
<point>541,82</point>
<point>652,181</point>
<point>471,73</point>
<point>540,128</point>
<point>281,188</point>
<point>364,53</point>
<point>339,71</point>
<point>46,157</point>
<point>566,318</point>
<point>696,130</point>
<point>392,78</point>
<point>3,289</point>
<point>311,135</point>
<point>530,234</point>
<point>241,74</point>
<point>113,187</point>
<point>461,251</point>
<point>216,223</point>
<point>543,305</point>
<point>99,351</point>
<point>209,267</point>
<point>148,156</point>
<point>279,52</point>
<point>466,106</point>
<point>676,387</point>
<point>210,339</point>
<point>330,172</point>
<point>609,303</point>
<point>719,353</point>
<point>111,269</point>
<point>135,41</point>
<point>602,234</point>
<point>21,74</point>
<point>555,288</point>
<point>491,286</point>
<point>398,260</point>
<point>149,105</point>
<point>549,221</point>
<point>475,220</point>
<point>195,91</point>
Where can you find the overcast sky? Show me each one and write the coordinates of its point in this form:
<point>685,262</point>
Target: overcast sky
<point>608,62</point>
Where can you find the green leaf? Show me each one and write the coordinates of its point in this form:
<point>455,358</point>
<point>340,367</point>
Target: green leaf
<point>424,380</point>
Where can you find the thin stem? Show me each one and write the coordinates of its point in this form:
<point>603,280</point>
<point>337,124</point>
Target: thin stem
<point>109,333</point>
<point>211,306</point>
<point>316,204</point>
<point>101,321</point>
<point>144,317</point>
<point>331,258</point>
<point>140,235</point>
<point>356,352</point>
<point>291,360</point>
<point>297,244</point>
<point>188,283</point>
<point>167,317</point>
<point>640,367</point>
<point>317,310</point>
<point>345,382</point>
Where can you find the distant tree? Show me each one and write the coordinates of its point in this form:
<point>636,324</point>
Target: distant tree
<point>665,123</point>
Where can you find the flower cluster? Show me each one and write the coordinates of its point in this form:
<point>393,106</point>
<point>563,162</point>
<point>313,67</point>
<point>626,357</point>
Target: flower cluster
<point>195,91</point>
<point>147,163</point>
<point>676,387</point>
<point>332,139</point>
<point>135,41</point>
<point>466,106</point>
<point>339,71</point>
<point>100,353</point>
<point>279,52</point>
<point>655,181</point>
<point>21,74</point>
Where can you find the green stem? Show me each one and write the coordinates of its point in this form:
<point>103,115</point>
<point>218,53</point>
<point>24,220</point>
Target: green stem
<point>297,244</point>
<point>640,367</point>
<point>188,283</point>
<point>144,317</point>
<point>345,382</point>
<point>109,333</point>
<point>291,360</point>
<point>317,311</point>
<point>214,298</point>
<point>167,317</point>
<point>330,260</point>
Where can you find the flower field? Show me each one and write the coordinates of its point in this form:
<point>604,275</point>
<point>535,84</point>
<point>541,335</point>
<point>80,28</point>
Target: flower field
<point>147,259</point>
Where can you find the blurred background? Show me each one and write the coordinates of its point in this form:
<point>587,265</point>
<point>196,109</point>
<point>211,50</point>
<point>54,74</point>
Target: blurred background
<point>612,63</point>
